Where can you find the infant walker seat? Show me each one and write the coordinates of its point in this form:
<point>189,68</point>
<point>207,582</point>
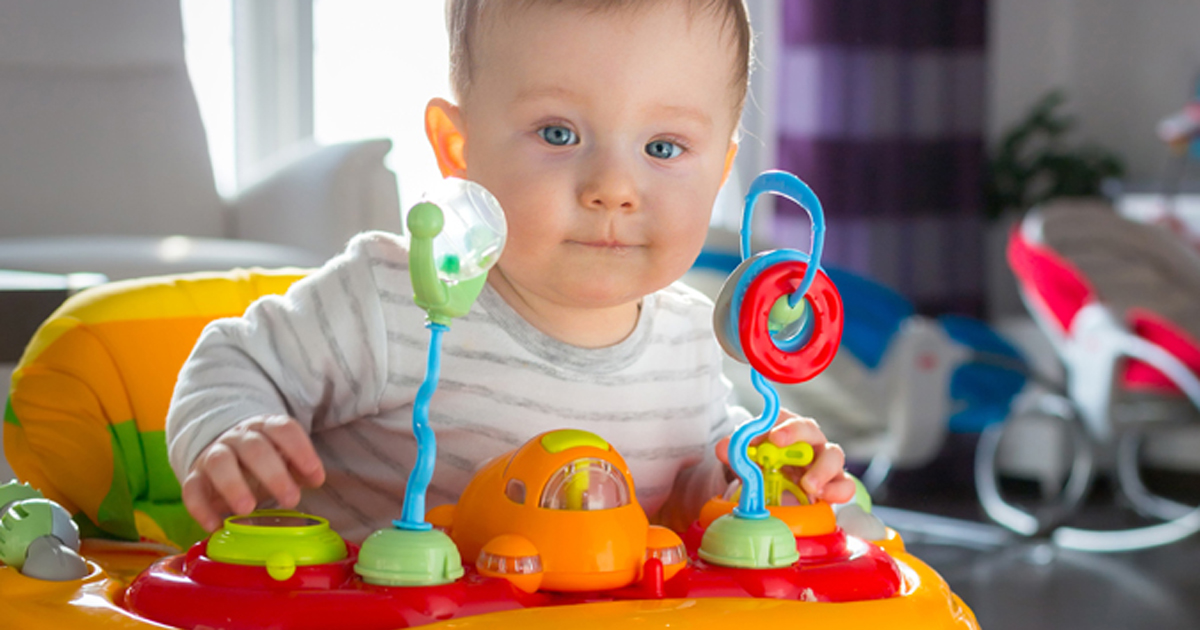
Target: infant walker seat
<point>1120,304</point>
<point>550,535</point>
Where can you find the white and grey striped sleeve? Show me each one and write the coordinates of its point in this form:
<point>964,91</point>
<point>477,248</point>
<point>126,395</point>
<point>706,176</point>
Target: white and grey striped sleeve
<point>316,354</point>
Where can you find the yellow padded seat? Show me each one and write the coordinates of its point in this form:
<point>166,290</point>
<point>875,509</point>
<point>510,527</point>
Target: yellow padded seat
<point>84,422</point>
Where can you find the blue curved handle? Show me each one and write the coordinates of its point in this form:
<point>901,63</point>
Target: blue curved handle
<point>752,503</point>
<point>412,515</point>
<point>789,186</point>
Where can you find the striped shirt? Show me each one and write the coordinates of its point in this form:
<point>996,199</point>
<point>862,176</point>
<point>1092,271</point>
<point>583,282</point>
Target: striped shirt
<point>344,351</point>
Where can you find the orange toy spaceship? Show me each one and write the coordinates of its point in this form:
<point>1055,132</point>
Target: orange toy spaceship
<point>558,514</point>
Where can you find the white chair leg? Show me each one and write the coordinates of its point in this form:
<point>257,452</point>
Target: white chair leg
<point>1129,539</point>
<point>988,488</point>
<point>1014,518</point>
<point>1183,525</point>
<point>1129,477</point>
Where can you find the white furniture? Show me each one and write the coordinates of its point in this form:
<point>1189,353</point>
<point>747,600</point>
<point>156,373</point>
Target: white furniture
<point>1105,291</point>
<point>124,257</point>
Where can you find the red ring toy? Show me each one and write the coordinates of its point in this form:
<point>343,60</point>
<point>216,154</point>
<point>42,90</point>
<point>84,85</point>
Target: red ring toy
<point>760,350</point>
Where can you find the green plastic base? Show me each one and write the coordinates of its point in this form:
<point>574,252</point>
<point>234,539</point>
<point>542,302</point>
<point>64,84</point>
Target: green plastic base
<point>747,543</point>
<point>399,557</point>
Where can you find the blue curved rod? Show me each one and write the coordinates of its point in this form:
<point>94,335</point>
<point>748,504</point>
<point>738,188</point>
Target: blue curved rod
<point>791,187</point>
<point>412,516</point>
<point>752,503</point>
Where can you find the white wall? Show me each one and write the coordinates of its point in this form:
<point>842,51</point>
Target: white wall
<point>1124,64</point>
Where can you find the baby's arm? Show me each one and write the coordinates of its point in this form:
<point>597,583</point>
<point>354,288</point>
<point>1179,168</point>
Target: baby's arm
<point>825,478</point>
<point>255,387</point>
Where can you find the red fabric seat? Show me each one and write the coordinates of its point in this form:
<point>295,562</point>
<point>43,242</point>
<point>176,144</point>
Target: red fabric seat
<point>1062,290</point>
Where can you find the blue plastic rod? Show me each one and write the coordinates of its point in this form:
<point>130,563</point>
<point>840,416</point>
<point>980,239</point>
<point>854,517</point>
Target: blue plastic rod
<point>413,515</point>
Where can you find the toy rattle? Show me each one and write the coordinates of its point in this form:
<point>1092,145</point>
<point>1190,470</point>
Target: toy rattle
<point>781,314</point>
<point>456,237</point>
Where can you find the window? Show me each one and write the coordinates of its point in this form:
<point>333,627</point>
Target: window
<point>208,45</point>
<point>515,491</point>
<point>587,483</point>
<point>376,63</point>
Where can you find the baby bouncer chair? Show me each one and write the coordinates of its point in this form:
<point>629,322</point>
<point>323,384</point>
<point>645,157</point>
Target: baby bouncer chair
<point>1120,304</point>
<point>84,422</point>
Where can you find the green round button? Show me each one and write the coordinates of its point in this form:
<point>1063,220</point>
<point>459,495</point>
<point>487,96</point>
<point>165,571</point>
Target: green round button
<point>765,543</point>
<point>279,540</point>
<point>405,557</point>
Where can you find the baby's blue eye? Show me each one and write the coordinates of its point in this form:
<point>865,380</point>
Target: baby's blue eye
<point>558,135</point>
<point>663,149</point>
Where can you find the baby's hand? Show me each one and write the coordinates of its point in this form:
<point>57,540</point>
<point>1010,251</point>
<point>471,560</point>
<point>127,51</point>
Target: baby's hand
<point>260,457</point>
<point>824,478</point>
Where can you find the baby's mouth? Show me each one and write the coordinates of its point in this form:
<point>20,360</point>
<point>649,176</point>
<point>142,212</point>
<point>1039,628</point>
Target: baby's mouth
<point>606,247</point>
<point>602,244</point>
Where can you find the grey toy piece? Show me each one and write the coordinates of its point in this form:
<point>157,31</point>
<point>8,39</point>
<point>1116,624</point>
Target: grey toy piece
<point>856,521</point>
<point>49,559</point>
<point>723,319</point>
<point>63,527</point>
<point>37,536</point>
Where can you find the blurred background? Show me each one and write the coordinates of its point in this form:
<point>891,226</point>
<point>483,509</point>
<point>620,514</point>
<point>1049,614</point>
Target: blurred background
<point>1013,207</point>
<point>889,110</point>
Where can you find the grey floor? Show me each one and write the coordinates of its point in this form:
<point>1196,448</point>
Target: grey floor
<point>1031,586</point>
<point>1015,583</point>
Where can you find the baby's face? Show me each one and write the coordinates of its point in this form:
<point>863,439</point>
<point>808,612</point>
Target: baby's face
<point>604,136</point>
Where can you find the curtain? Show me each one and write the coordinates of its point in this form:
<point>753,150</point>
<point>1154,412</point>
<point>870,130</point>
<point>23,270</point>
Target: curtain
<point>880,108</point>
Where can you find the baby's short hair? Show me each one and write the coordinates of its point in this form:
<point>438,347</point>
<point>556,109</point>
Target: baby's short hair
<point>463,17</point>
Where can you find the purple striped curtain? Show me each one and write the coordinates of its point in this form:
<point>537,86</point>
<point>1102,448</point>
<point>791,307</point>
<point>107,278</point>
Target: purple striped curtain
<point>881,111</point>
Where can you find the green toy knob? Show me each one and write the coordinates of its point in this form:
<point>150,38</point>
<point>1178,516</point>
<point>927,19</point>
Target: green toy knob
<point>783,316</point>
<point>13,491</point>
<point>398,557</point>
<point>457,235</point>
<point>279,540</point>
<point>39,539</point>
<point>423,222</point>
<point>766,543</point>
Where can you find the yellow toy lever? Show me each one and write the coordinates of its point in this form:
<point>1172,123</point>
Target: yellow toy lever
<point>772,459</point>
<point>577,485</point>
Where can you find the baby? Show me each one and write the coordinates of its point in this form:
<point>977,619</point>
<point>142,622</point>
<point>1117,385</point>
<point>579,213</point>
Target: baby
<point>605,129</point>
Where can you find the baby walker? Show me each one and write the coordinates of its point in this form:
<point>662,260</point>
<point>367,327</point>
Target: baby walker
<point>549,535</point>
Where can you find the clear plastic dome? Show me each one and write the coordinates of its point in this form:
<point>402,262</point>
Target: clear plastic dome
<point>587,483</point>
<point>474,231</point>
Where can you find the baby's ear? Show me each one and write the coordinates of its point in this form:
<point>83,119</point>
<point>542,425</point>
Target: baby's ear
<point>729,155</point>
<point>443,127</point>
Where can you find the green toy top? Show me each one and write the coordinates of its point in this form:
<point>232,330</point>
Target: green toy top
<point>456,237</point>
<point>443,302</point>
<point>13,491</point>
<point>20,526</point>
<point>279,540</point>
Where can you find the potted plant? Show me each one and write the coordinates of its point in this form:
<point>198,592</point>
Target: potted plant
<point>1033,163</point>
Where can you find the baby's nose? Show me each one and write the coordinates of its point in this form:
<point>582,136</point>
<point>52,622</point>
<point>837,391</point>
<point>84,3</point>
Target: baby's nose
<point>609,185</point>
